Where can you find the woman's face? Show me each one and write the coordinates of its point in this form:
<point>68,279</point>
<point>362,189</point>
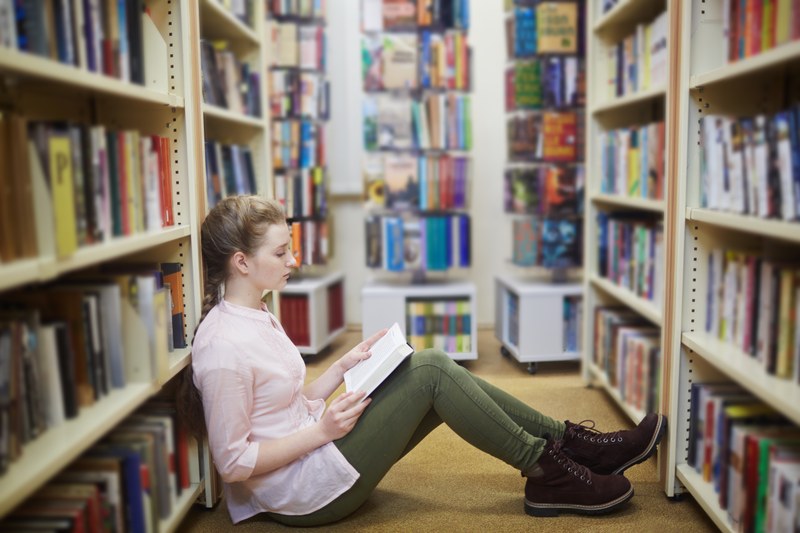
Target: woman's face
<point>272,263</point>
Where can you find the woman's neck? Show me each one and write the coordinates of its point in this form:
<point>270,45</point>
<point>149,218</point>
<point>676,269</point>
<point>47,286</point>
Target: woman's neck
<point>244,294</point>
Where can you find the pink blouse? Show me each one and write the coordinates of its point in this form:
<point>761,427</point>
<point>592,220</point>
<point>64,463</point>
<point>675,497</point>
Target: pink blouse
<point>251,379</point>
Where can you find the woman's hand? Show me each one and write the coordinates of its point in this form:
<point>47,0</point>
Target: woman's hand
<point>343,413</point>
<point>360,352</point>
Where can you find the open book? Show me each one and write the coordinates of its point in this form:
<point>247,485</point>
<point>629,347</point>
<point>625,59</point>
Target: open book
<point>387,353</point>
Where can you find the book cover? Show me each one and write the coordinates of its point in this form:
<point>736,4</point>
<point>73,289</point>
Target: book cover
<point>557,27</point>
<point>387,354</point>
<point>401,182</point>
<point>560,136</point>
<point>561,243</point>
<point>399,61</point>
<point>524,31</point>
<point>527,85</point>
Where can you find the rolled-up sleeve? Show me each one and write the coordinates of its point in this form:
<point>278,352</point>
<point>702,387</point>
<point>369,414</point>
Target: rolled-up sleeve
<point>227,392</point>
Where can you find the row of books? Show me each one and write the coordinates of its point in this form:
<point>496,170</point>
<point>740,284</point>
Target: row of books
<point>95,183</point>
<point>67,347</point>
<point>297,8</point>
<point>129,481</point>
<point>443,324</point>
<point>639,61</point>
<point>405,182</point>
<point>393,61</point>
<point>752,303</point>
<point>550,136</point>
<point>436,242</point>
<point>296,94</point>
<point>295,318</point>
<point>628,351</point>
<point>297,45</point>
<point>751,165</point>
<point>379,15</point>
<point>544,190</point>
<point>228,82</point>
<point>750,27</point>
<point>298,144</point>
<point>748,453</point>
<point>572,340</point>
<point>547,242</point>
<point>310,241</point>
<point>545,28</point>
<point>102,37</point>
<point>631,253</point>
<point>549,82</point>
<point>303,193</point>
<point>632,161</point>
<point>439,121</point>
<point>229,171</point>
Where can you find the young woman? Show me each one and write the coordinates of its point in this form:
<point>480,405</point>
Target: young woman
<point>282,452</point>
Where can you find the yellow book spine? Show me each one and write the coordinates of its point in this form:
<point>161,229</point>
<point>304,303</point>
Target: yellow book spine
<point>60,151</point>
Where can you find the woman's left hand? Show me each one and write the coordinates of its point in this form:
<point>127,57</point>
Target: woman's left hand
<point>360,352</point>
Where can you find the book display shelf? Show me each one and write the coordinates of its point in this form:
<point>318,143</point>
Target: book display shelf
<point>312,311</point>
<point>628,81</point>
<point>416,73</point>
<point>233,61</point>
<point>529,326</point>
<point>99,263</point>
<point>734,365</point>
<point>311,306</point>
<point>543,180</point>
<point>431,315</point>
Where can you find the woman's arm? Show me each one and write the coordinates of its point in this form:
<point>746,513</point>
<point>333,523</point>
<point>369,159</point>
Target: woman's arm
<point>329,381</point>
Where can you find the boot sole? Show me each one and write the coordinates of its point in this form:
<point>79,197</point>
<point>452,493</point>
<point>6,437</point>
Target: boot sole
<point>651,448</point>
<point>554,509</point>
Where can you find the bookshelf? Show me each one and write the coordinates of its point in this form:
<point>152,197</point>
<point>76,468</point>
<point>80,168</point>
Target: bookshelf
<point>732,102</point>
<point>109,213</point>
<point>543,178</point>
<point>299,108</point>
<point>235,129</point>
<point>313,311</point>
<point>436,314</point>
<point>629,85</point>
<point>545,335</point>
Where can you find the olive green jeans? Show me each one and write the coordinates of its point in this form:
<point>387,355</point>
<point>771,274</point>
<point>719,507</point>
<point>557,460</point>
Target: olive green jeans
<point>427,389</point>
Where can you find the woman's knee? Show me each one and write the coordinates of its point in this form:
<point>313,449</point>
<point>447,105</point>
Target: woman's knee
<point>432,356</point>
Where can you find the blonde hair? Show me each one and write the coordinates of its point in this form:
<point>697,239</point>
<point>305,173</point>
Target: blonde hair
<point>235,224</point>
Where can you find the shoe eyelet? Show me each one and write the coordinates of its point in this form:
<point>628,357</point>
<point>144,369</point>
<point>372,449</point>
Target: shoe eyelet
<point>591,440</point>
<point>588,481</point>
<point>605,441</point>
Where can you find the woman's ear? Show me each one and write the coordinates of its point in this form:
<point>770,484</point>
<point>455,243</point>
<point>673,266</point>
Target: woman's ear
<point>239,263</point>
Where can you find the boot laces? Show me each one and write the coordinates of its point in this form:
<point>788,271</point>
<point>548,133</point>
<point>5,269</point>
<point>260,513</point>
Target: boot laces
<point>568,464</point>
<point>585,430</point>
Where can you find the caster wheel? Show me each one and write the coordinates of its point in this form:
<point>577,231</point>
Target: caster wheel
<point>504,352</point>
<point>533,368</point>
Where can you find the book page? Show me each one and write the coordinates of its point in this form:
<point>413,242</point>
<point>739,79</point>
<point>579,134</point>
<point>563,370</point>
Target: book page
<point>387,353</point>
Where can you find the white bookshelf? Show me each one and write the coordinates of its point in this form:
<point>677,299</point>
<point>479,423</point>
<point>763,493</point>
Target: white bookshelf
<point>317,291</point>
<point>536,311</point>
<point>164,106</point>
<point>707,85</point>
<point>606,112</point>
<point>384,303</point>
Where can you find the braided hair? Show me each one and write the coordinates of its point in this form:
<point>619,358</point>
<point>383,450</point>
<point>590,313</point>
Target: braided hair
<point>235,224</point>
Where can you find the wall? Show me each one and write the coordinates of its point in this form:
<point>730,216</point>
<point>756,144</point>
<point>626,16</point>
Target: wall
<point>491,227</point>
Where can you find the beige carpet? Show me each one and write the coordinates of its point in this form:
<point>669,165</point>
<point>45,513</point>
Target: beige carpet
<point>445,484</point>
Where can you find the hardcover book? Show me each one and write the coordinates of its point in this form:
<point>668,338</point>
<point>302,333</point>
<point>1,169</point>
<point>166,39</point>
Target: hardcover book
<point>387,354</point>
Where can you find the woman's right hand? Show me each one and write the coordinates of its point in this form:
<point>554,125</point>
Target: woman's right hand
<point>341,416</point>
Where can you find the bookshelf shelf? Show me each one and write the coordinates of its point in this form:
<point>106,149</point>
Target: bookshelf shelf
<point>744,369</point>
<point>771,59</point>
<point>624,13</point>
<point>45,70</point>
<point>774,229</point>
<point>616,200</point>
<point>217,22</point>
<point>58,446</point>
<point>178,359</point>
<point>186,500</point>
<point>226,118</point>
<point>704,493</point>
<point>623,103</point>
<point>644,307</point>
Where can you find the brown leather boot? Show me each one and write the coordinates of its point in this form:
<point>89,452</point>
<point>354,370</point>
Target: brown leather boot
<point>556,484</point>
<point>613,453</point>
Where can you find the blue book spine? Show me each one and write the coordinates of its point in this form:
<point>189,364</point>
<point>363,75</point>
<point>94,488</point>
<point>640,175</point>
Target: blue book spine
<point>448,240</point>
<point>422,171</point>
<point>794,139</point>
<point>464,245</point>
